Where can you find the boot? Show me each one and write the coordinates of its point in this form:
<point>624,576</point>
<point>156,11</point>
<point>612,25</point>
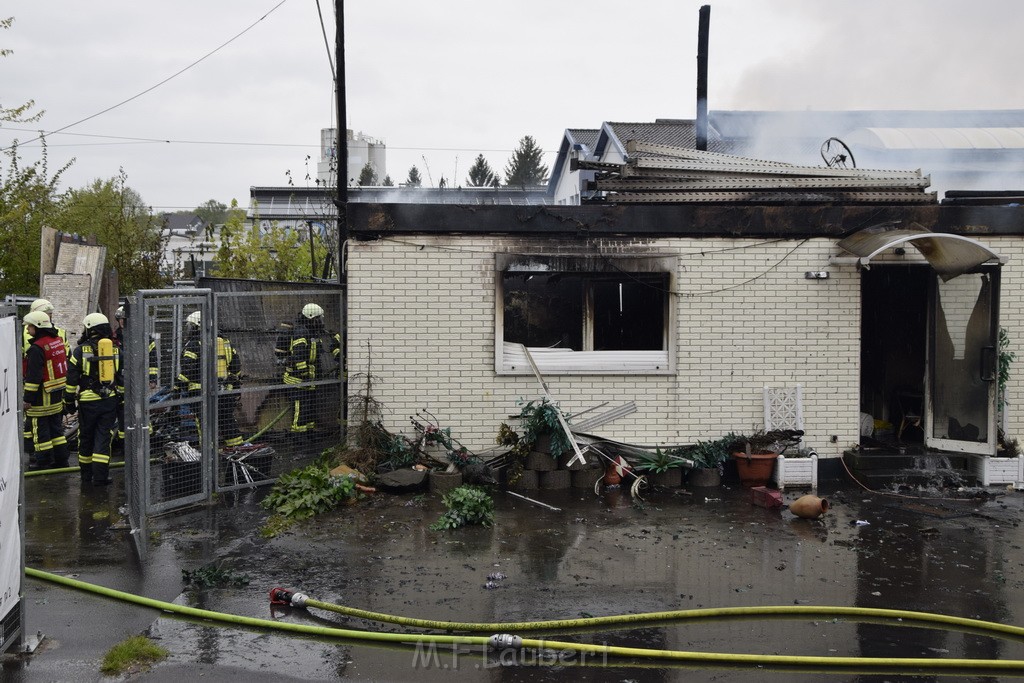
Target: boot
<point>86,472</point>
<point>60,456</point>
<point>100,474</point>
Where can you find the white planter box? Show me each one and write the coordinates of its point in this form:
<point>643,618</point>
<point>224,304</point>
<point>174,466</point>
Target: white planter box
<point>796,471</point>
<point>994,471</point>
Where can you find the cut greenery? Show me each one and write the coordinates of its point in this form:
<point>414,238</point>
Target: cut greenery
<point>466,505</point>
<point>305,492</point>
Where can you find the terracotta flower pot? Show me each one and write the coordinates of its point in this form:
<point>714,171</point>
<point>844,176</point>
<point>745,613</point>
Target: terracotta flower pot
<point>809,507</point>
<point>755,469</point>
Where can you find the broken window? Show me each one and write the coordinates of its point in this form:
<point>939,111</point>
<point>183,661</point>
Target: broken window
<point>585,314</point>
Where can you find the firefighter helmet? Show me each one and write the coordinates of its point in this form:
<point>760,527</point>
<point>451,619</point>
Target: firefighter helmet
<point>119,313</point>
<point>312,311</point>
<point>38,319</point>
<point>194,318</point>
<point>95,320</point>
<point>43,305</point>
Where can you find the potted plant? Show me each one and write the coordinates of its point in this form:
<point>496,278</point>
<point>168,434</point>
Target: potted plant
<point>663,468</point>
<point>542,435</point>
<point>708,461</point>
<point>755,456</point>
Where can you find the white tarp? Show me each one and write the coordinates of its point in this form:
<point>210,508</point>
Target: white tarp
<point>10,468</point>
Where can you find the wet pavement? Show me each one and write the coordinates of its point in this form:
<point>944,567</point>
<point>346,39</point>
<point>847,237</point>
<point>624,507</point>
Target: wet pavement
<point>686,549</point>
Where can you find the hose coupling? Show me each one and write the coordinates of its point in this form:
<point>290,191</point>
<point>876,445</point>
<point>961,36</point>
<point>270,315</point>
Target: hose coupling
<point>502,641</point>
<point>280,596</point>
<point>283,596</point>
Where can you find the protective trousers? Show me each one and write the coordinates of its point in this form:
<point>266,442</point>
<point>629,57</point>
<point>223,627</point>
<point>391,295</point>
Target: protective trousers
<point>96,423</point>
<point>48,441</point>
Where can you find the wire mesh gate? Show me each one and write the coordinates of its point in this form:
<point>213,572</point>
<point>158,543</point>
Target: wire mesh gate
<point>249,388</point>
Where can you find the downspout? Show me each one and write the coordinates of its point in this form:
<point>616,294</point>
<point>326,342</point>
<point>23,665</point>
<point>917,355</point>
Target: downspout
<point>702,77</point>
<point>342,201</point>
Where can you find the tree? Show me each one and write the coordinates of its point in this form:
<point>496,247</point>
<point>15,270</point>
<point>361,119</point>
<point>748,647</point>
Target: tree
<point>212,212</point>
<point>270,253</point>
<point>481,174</point>
<point>367,176</point>
<point>414,179</point>
<point>28,200</point>
<point>525,169</point>
<point>28,195</point>
<point>388,182</point>
<point>115,215</point>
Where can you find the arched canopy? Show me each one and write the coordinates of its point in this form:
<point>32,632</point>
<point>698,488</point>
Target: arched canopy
<point>950,255</point>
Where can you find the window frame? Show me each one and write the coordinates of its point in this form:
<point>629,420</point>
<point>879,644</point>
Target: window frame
<point>509,359</point>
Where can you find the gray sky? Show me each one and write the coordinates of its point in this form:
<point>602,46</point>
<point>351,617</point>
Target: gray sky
<point>449,79</point>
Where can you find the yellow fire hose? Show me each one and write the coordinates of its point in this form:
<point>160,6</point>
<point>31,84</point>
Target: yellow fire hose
<point>505,641</point>
<point>281,596</point>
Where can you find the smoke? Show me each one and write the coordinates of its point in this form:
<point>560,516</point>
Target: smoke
<point>874,54</point>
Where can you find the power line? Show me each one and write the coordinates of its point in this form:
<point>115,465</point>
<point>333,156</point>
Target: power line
<point>172,76</point>
<point>239,144</point>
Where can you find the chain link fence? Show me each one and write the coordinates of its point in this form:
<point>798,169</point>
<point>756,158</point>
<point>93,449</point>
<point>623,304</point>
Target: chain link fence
<point>228,386</point>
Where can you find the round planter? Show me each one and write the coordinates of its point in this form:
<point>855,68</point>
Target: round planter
<point>671,479</point>
<point>541,462</point>
<point>443,482</point>
<point>809,507</point>
<point>755,469</point>
<point>584,479</point>
<point>553,481</point>
<point>527,481</point>
<point>704,476</point>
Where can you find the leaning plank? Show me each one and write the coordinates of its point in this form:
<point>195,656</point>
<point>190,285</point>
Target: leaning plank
<point>558,413</point>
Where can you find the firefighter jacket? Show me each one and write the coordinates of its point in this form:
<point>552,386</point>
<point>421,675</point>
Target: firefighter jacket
<point>45,367</point>
<point>154,368</point>
<point>305,356</point>
<point>190,375</point>
<point>26,340</point>
<point>85,373</point>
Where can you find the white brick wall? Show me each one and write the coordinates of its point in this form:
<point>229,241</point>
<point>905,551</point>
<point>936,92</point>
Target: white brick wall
<point>746,317</point>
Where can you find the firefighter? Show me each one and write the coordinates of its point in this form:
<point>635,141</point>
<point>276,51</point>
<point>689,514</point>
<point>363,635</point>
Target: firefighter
<point>229,378</point>
<point>44,306</point>
<point>45,370</point>
<point>95,383</point>
<point>305,363</point>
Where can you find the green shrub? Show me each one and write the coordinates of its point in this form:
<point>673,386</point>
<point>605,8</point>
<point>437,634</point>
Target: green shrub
<point>466,505</point>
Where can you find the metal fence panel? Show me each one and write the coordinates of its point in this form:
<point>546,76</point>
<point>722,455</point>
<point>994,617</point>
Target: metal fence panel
<point>173,437</point>
<point>288,405</point>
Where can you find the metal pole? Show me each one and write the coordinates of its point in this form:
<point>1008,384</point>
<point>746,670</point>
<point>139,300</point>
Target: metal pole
<point>342,201</point>
<point>702,77</point>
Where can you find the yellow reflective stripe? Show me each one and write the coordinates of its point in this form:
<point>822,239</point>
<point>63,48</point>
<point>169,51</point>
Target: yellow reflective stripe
<point>55,385</point>
<point>31,387</point>
<point>191,354</point>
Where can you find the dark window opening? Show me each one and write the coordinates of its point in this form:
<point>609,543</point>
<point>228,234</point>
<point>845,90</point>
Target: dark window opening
<point>546,309</point>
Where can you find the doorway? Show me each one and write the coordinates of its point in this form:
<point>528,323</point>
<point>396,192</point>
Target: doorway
<point>893,356</point>
<point>928,359</point>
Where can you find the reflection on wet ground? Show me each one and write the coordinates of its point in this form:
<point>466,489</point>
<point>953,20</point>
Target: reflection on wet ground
<point>597,556</point>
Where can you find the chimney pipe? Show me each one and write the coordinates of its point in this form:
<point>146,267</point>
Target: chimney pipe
<point>702,77</point>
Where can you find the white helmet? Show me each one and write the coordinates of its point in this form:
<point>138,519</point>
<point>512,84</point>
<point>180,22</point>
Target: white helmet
<point>94,319</point>
<point>43,305</point>
<point>194,318</point>
<point>38,319</point>
<point>119,313</point>
<point>312,311</point>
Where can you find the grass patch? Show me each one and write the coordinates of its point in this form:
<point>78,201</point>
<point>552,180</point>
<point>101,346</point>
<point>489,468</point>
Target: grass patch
<point>138,652</point>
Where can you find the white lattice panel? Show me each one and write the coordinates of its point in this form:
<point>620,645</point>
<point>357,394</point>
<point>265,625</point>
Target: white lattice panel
<point>783,408</point>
